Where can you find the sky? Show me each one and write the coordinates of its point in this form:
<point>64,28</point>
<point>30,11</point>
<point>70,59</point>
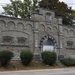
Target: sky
<point>70,3</point>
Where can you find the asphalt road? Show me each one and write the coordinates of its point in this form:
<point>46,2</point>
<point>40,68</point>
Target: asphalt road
<point>63,71</point>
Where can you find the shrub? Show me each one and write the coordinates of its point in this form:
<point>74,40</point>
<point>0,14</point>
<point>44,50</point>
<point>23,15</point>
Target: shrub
<point>68,61</point>
<point>26,57</point>
<point>48,57</point>
<point>5,57</point>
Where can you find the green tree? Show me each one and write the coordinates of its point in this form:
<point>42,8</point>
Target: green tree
<point>48,4</point>
<point>20,8</point>
<point>60,8</point>
<point>73,15</point>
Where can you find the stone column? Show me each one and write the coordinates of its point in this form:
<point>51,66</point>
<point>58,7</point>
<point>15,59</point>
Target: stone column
<point>35,37</point>
<point>36,40</point>
<point>15,41</point>
<point>60,34</point>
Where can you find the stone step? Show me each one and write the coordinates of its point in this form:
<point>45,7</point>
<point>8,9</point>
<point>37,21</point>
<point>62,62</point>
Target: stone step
<point>60,64</point>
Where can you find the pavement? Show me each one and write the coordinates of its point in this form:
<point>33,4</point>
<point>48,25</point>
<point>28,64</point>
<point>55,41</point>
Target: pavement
<point>59,71</point>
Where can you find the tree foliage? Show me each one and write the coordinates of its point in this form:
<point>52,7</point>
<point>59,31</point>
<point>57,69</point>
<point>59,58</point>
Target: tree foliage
<point>20,8</point>
<point>5,57</point>
<point>23,9</point>
<point>26,57</point>
<point>49,58</point>
<point>60,8</point>
<point>73,13</point>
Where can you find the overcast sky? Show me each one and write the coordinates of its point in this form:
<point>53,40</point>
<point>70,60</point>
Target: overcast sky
<point>71,3</point>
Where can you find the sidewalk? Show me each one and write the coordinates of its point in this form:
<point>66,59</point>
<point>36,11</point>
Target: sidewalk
<point>59,71</point>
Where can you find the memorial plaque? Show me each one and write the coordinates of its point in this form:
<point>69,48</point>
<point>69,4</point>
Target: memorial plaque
<point>60,57</point>
<point>37,57</point>
<point>16,56</point>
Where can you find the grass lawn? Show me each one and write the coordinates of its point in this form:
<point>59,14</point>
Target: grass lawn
<point>17,65</point>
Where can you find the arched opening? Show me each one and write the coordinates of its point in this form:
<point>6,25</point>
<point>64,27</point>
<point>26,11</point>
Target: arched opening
<point>48,43</point>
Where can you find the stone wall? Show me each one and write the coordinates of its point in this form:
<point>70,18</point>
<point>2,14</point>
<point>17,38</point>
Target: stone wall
<point>29,33</point>
<point>16,28</point>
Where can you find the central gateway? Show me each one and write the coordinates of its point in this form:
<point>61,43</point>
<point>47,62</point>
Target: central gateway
<point>48,43</point>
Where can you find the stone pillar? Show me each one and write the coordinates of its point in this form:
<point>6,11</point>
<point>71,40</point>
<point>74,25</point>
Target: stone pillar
<point>36,40</point>
<point>60,38</point>
<point>1,39</point>
<point>35,37</point>
<point>15,41</point>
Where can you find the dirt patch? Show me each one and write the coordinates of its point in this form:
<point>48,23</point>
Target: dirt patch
<point>17,65</point>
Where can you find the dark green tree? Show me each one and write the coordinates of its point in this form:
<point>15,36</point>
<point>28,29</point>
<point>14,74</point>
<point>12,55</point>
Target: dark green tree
<point>60,8</point>
<point>20,8</point>
<point>73,15</point>
<point>48,4</point>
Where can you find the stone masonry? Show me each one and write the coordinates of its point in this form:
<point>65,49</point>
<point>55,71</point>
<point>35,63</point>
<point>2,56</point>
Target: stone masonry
<point>17,34</point>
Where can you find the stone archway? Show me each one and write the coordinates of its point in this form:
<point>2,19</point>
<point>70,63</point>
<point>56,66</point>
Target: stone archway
<point>48,43</point>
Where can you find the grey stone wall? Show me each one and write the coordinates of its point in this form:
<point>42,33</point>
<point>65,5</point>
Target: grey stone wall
<point>15,27</point>
<point>33,30</point>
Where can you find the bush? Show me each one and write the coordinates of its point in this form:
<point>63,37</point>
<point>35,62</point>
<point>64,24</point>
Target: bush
<point>26,57</point>
<point>68,61</point>
<point>48,57</point>
<point>5,57</point>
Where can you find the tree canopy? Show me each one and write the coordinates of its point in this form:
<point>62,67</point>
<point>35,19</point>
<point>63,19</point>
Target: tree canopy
<point>73,13</point>
<point>23,9</point>
<point>20,8</point>
<point>60,8</point>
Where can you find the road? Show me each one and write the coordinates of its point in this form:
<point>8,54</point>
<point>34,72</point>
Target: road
<point>63,71</point>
